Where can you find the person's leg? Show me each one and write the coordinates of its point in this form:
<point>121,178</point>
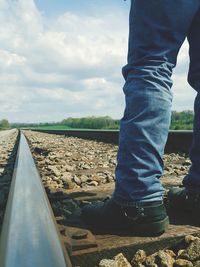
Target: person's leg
<point>157,30</point>
<point>192,180</point>
<point>187,198</point>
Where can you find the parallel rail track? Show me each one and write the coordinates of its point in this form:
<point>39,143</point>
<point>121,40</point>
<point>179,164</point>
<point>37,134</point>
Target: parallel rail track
<point>177,140</point>
<point>29,234</point>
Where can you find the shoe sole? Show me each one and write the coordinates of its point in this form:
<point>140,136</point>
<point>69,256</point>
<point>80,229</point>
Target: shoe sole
<point>155,228</point>
<point>150,229</point>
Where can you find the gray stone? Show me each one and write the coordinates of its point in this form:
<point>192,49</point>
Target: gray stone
<point>192,252</point>
<point>118,261</point>
<point>77,180</point>
<point>68,168</point>
<point>92,183</point>
<point>84,178</point>
<point>183,263</point>
<point>54,170</point>
<point>107,263</point>
<point>181,251</point>
<point>170,252</point>
<point>191,238</point>
<point>187,162</point>
<point>121,261</point>
<point>96,178</point>
<point>164,259</point>
<point>151,260</point>
<point>67,179</point>
<point>139,257</point>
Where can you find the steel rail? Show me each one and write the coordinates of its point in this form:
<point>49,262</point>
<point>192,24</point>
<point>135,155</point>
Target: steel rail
<point>177,140</point>
<point>29,237</point>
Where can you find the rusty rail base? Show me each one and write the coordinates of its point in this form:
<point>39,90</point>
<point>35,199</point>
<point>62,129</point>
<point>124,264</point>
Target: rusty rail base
<point>89,249</point>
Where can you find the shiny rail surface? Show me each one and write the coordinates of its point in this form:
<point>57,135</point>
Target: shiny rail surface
<point>177,140</point>
<point>29,237</point>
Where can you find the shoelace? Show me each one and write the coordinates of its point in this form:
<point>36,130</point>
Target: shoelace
<point>139,214</point>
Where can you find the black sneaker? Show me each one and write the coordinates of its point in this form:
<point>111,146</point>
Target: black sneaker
<point>150,219</point>
<point>184,200</point>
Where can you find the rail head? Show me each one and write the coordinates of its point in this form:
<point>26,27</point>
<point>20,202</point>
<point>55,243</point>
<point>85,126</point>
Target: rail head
<point>29,236</point>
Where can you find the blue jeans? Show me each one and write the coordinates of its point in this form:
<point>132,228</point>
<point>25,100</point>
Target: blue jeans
<point>157,31</point>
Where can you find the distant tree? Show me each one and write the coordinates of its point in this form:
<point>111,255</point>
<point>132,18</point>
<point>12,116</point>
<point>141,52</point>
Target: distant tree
<point>4,124</point>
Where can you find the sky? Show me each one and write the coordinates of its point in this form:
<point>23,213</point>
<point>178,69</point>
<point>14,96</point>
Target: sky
<point>63,58</point>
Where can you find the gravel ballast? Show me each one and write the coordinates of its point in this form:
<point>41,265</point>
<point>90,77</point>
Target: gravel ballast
<point>73,163</point>
<point>7,159</point>
<point>69,163</point>
<point>186,256</point>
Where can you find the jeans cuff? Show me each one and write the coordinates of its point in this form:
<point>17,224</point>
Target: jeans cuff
<point>136,203</point>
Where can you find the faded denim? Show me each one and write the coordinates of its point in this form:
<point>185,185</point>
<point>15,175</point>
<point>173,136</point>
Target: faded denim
<point>157,30</point>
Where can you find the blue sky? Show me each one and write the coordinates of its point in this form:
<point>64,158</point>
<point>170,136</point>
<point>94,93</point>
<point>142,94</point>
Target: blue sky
<point>54,8</point>
<point>62,59</point>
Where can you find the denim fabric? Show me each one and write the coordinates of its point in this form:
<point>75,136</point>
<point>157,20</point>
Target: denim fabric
<point>157,31</point>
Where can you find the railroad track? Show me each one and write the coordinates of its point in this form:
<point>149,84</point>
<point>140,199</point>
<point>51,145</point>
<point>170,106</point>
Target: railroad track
<point>177,140</point>
<point>33,236</point>
<point>29,236</point>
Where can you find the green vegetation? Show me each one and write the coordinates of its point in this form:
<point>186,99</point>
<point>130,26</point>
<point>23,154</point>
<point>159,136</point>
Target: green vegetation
<point>180,121</point>
<point>52,127</point>
<point>92,123</point>
<point>42,126</point>
<point>74,123</point>
<point>4,124</point>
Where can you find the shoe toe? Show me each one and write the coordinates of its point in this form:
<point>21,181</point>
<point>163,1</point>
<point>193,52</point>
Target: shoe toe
<point>104,214</point>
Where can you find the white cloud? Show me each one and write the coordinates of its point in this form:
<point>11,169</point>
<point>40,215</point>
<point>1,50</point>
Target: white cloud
<point>64,66</point>
<point>71,64</point>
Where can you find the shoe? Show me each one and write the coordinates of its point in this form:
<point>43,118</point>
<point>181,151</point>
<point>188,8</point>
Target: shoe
<point>150,219</point>
<point>183,199</point>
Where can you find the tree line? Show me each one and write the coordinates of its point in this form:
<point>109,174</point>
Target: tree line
<point>92,123</point>
<point>179,121</point>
